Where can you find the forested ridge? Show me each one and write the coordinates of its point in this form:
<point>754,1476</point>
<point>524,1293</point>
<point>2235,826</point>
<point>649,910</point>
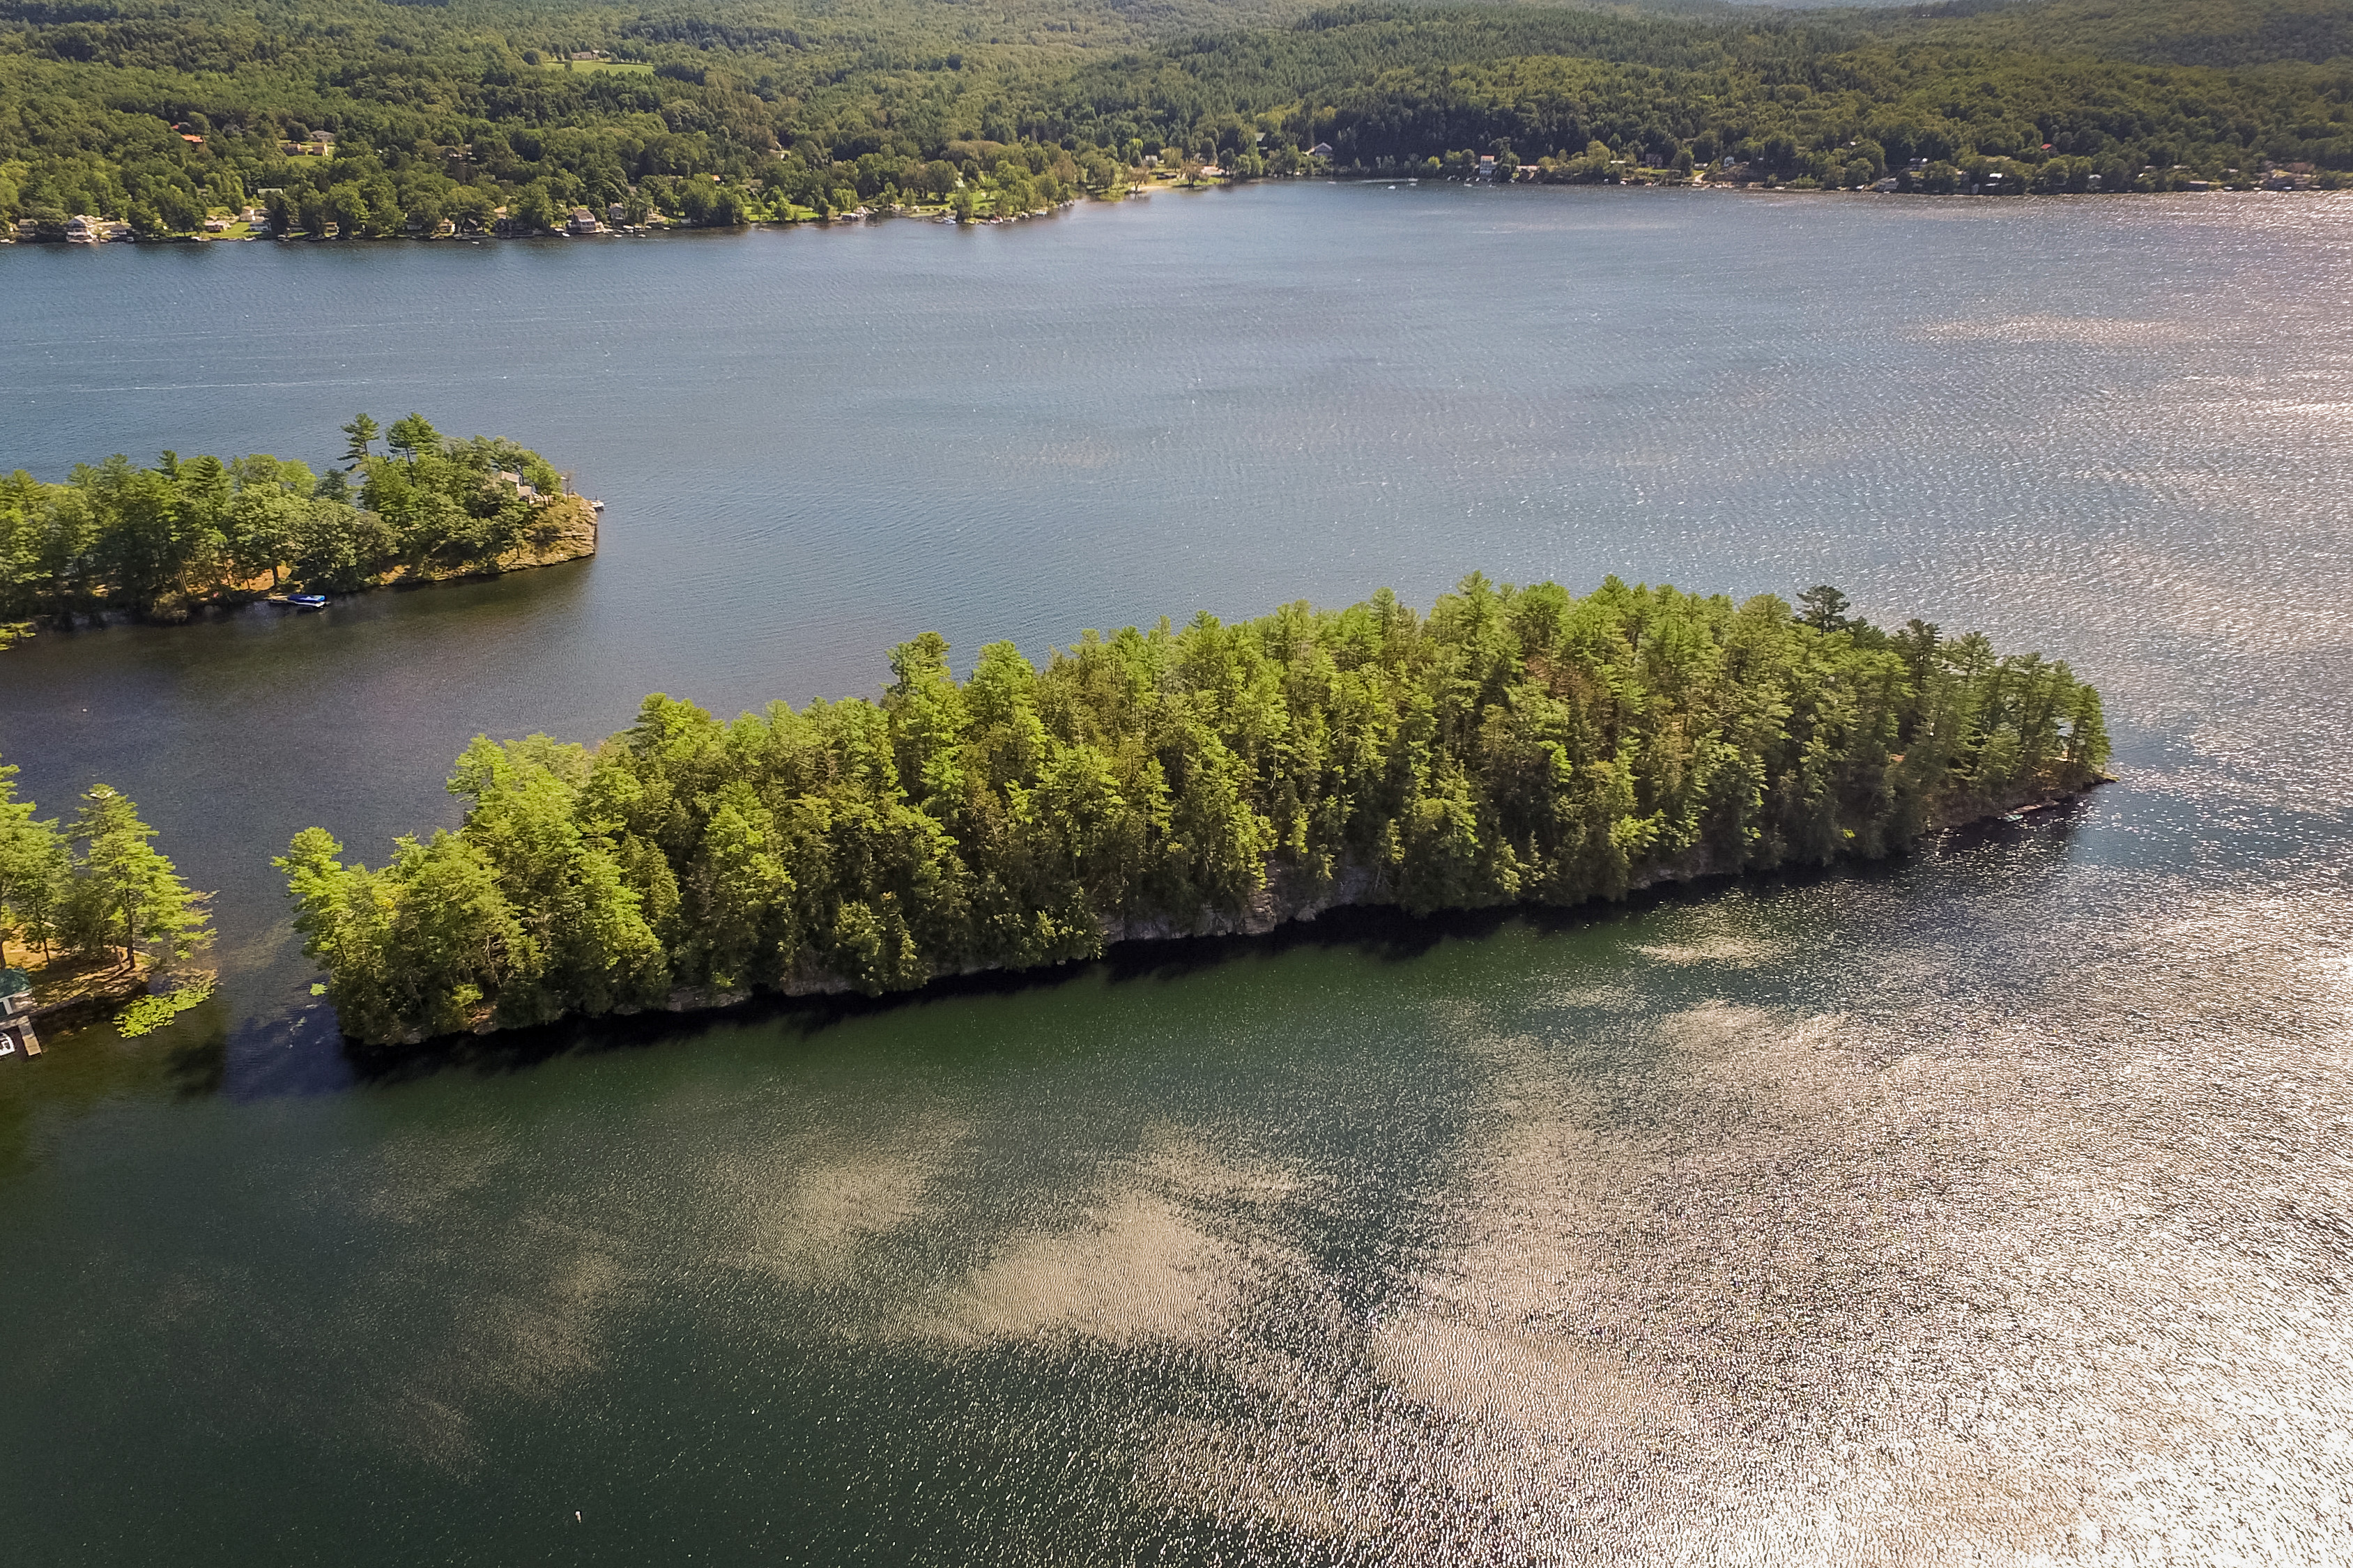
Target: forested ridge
<point>160,541</point>
<point>386,119</point>
<point>1514,745</point>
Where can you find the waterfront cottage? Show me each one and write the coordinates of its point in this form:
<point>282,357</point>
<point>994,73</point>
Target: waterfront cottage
<point>17,1040</point>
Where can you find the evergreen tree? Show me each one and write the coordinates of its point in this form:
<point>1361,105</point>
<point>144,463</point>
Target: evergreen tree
<point>34,865</point>
<point>360,432</point>
<point>125,894</point>
<point>412,435</point>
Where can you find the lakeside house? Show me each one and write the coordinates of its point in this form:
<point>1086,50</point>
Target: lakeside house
<point>83,229</point>
<point>584,221</point>
<point>17,1040</point>
<point>1321,150</point>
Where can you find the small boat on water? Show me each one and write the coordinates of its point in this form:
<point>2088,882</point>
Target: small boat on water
<point>299,601</point>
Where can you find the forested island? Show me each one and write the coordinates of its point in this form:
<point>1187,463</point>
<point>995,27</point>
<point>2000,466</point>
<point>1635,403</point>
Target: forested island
<point>1516,745</point>
<point>161,542</point>
<point>370,118</point>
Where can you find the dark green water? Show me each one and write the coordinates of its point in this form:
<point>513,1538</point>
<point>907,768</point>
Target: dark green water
<point>1995,1204</point>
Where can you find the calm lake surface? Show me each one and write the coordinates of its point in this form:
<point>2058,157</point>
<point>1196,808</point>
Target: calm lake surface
<point>1994,1206</point>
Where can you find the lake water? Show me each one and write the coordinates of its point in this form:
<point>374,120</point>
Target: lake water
<point>1997,1204</point>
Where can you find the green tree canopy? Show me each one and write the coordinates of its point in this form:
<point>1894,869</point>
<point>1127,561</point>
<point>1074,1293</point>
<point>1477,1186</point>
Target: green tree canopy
<point>124,893</point>
<point>34,865</point>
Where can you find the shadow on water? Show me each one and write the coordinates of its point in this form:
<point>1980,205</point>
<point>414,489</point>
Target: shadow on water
<point>301,1051</point>
<point>1384,933</point>
<point>83,1067</point>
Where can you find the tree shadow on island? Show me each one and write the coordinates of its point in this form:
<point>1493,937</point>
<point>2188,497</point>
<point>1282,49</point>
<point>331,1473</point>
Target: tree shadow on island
<point>1386,934</point>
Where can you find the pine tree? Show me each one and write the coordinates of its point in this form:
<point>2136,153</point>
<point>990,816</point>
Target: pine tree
<point>34,863</point>
<point>125,893</point>
<point>363,432</point>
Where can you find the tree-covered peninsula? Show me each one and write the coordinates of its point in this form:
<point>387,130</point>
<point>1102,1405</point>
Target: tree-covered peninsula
<point>159,543</point>
<point>1515,745</point>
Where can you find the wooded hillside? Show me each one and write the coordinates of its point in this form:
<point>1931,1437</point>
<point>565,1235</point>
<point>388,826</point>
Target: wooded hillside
<point>386,119</point>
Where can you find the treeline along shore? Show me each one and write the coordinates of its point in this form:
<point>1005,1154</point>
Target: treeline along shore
<point>356,118</point>
<point>1516,745</point>
<point>159,544</point>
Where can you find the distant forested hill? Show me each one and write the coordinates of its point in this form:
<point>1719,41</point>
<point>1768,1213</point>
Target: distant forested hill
<point>2173,32</point>
<point>390,117</point>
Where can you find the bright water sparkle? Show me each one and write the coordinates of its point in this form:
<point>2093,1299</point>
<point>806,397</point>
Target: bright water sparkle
<point>1997,1203</point>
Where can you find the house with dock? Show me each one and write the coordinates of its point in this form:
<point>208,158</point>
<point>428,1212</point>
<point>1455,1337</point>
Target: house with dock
<point>17,1040</point>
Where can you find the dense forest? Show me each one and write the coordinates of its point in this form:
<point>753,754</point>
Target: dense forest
<point>385,118</point>
<point>1514,745</point>
<point>157,542</point>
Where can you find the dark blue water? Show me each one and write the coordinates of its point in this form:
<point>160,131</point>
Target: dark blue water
<point>1996,1203</point>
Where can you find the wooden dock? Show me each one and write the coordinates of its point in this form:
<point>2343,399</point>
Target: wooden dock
<point>17,1037</point>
